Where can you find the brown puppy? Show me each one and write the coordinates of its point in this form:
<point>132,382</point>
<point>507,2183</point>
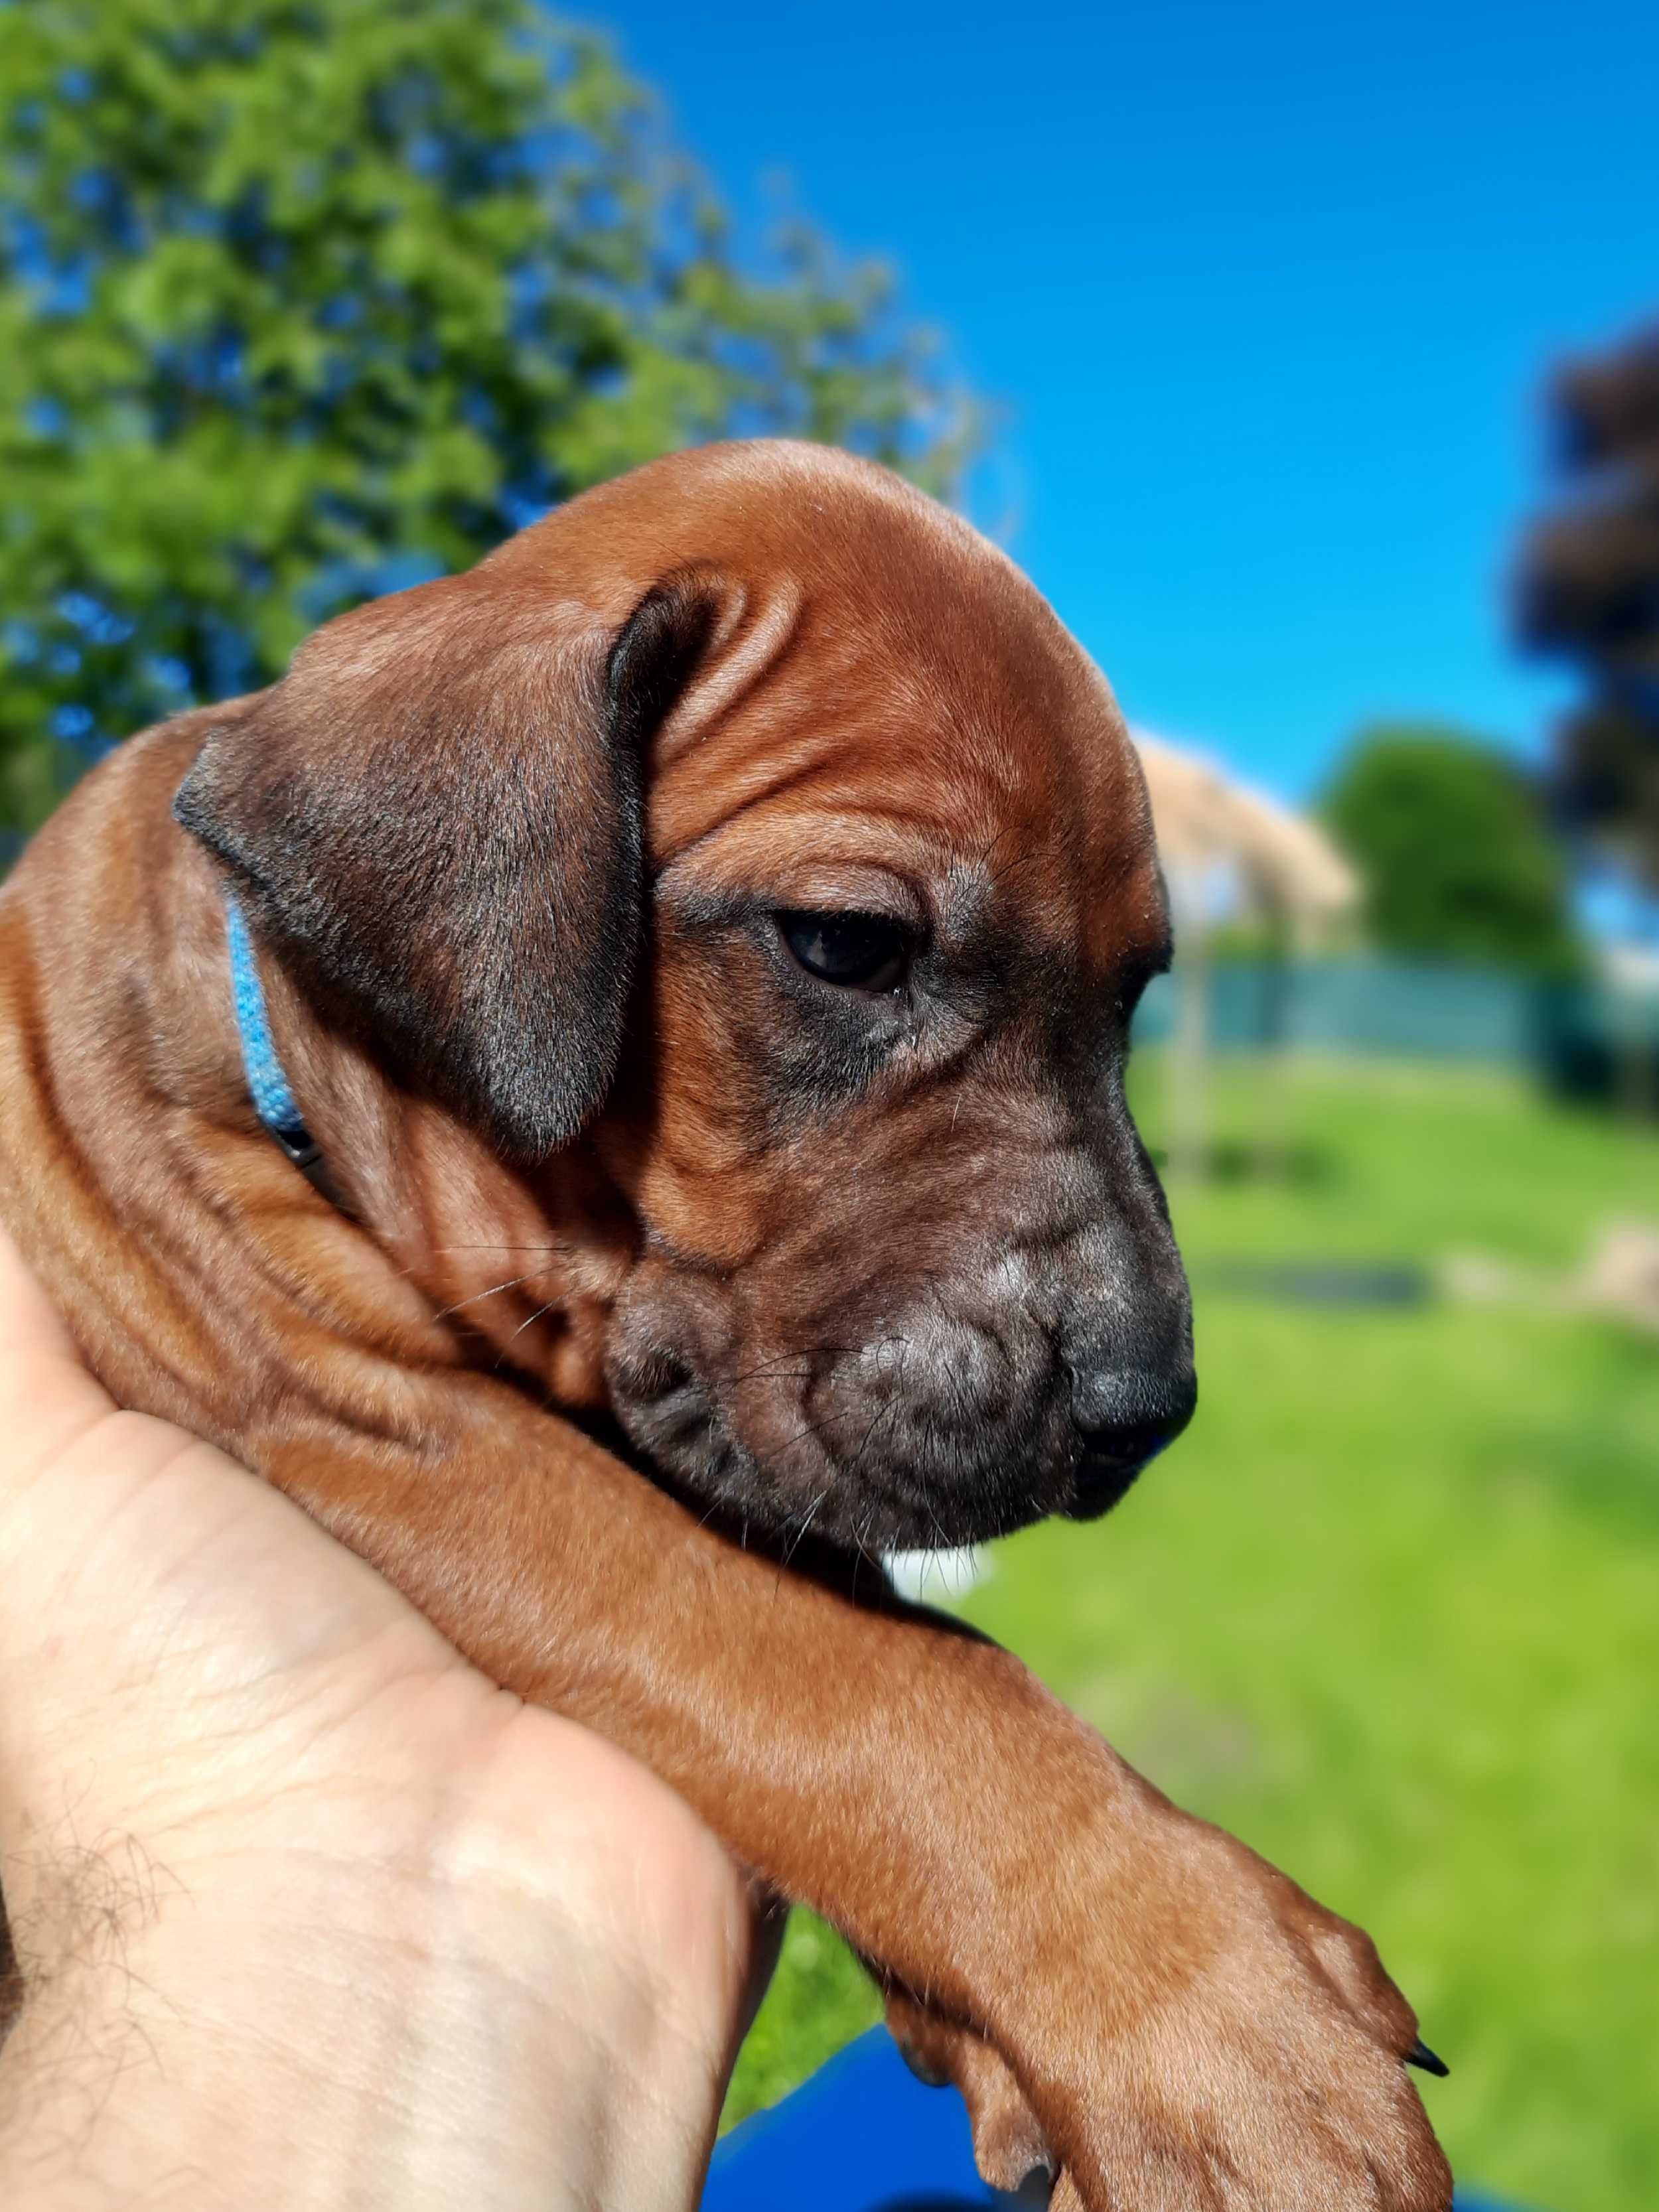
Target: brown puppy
<point>702,940</point>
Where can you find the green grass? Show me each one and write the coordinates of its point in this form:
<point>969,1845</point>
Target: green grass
<point>1391,1609</point>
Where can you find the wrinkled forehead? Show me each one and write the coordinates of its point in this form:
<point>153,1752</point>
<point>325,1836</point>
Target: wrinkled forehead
<point>927,735</point>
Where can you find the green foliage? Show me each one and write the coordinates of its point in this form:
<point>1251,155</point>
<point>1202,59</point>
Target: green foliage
<point>820,1999</point>
<point>1458,861</point>
<point>1587,593</point>
<point>303,298</point>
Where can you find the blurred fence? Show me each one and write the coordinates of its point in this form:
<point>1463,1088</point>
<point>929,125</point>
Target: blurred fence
<point>1355,1005</point>
<point>1585,1038</point>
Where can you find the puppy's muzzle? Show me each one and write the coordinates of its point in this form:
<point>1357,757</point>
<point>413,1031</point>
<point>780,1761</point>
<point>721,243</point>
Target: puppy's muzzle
<point>1125,1419</point>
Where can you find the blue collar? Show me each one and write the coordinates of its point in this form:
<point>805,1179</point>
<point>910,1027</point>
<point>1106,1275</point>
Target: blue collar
<point>267,1085</point>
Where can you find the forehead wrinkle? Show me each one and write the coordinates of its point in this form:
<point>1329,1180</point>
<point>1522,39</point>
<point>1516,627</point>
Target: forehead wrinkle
<point>753,842</point>
<point>940,702</point>
<point>867,747</point>
<point>976,829</point>
<point>747,795</point>
<point>758,630</point>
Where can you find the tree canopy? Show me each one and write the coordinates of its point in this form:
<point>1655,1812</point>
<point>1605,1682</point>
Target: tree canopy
<point>301,299</point>
<point>1455,849</point>
<point>1589,595</point>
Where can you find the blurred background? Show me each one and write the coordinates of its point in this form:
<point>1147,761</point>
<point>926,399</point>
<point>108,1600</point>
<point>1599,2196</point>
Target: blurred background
<point>1309,360</point>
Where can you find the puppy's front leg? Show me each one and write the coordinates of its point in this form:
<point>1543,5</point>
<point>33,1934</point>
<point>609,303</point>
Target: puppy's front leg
<point>1183,2020</point>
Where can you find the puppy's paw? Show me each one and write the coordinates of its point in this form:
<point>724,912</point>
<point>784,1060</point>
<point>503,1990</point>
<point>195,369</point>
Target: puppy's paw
<point>1009,2144</point>
<point>1256,2059</point>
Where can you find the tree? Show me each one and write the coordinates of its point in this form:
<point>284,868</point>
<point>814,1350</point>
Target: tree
<point>301,299</point>
<point>1455,849</point>
<point>1589,592</point>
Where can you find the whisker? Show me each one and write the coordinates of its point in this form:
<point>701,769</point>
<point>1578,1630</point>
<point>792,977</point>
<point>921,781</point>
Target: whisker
<point>781,1366</point>
<point>493,1292</point>
<point>527,1323</point>
<point>559,1244</point>
<point>532,1318</point>
<point>800,1534</point>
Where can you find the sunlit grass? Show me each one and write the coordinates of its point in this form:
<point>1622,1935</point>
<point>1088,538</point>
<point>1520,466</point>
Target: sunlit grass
<point>1391,1609</point>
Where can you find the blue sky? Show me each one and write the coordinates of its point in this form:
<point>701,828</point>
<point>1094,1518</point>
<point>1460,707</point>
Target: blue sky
<point>1266,290</point>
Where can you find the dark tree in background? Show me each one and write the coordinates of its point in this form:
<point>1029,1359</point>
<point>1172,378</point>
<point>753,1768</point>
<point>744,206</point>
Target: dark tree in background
<point>1455,850</point>
<point>299,299</point>
<point>1589,593</point>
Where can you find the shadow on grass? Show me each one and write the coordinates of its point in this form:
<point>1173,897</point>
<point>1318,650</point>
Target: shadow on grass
<point>1400,1283</point>
<point>1230,1161</point>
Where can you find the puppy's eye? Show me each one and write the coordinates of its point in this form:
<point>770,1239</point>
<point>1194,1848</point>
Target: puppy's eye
<point>861,951</point>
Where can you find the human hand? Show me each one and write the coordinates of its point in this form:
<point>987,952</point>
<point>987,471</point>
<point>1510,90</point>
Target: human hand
<point>309,1912</point>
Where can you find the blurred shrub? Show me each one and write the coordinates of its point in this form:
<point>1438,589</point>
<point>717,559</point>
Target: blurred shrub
<point>303,298</point>
<point>1599,1047</point>
<point>1456,855</point>
<point>1587,593</point>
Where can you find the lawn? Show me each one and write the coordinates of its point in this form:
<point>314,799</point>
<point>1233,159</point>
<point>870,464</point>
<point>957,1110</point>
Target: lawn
<point>1391,1609</point>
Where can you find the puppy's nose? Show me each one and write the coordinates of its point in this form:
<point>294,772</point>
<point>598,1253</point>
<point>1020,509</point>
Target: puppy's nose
<point>1124,1419</point>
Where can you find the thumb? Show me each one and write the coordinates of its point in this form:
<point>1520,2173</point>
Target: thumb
<point>47,1399</point>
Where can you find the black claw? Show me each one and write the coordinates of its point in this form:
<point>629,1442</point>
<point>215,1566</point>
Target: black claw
<point>1420,2055</point>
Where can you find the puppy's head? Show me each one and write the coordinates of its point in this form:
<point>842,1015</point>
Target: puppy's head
<point>753,823</point>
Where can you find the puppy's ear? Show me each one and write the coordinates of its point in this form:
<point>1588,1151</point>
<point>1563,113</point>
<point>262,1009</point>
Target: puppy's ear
<point>439,810</point>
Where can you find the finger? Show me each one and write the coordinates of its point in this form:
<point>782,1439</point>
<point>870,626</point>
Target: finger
<point>29,1328</point>
<point>46,1396</point>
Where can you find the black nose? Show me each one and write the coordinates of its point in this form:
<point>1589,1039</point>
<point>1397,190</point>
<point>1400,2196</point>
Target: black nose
<point>1123,1420</point>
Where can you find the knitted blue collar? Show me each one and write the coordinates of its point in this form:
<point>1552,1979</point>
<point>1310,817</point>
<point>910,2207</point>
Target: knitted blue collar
<point>267,1083</point>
